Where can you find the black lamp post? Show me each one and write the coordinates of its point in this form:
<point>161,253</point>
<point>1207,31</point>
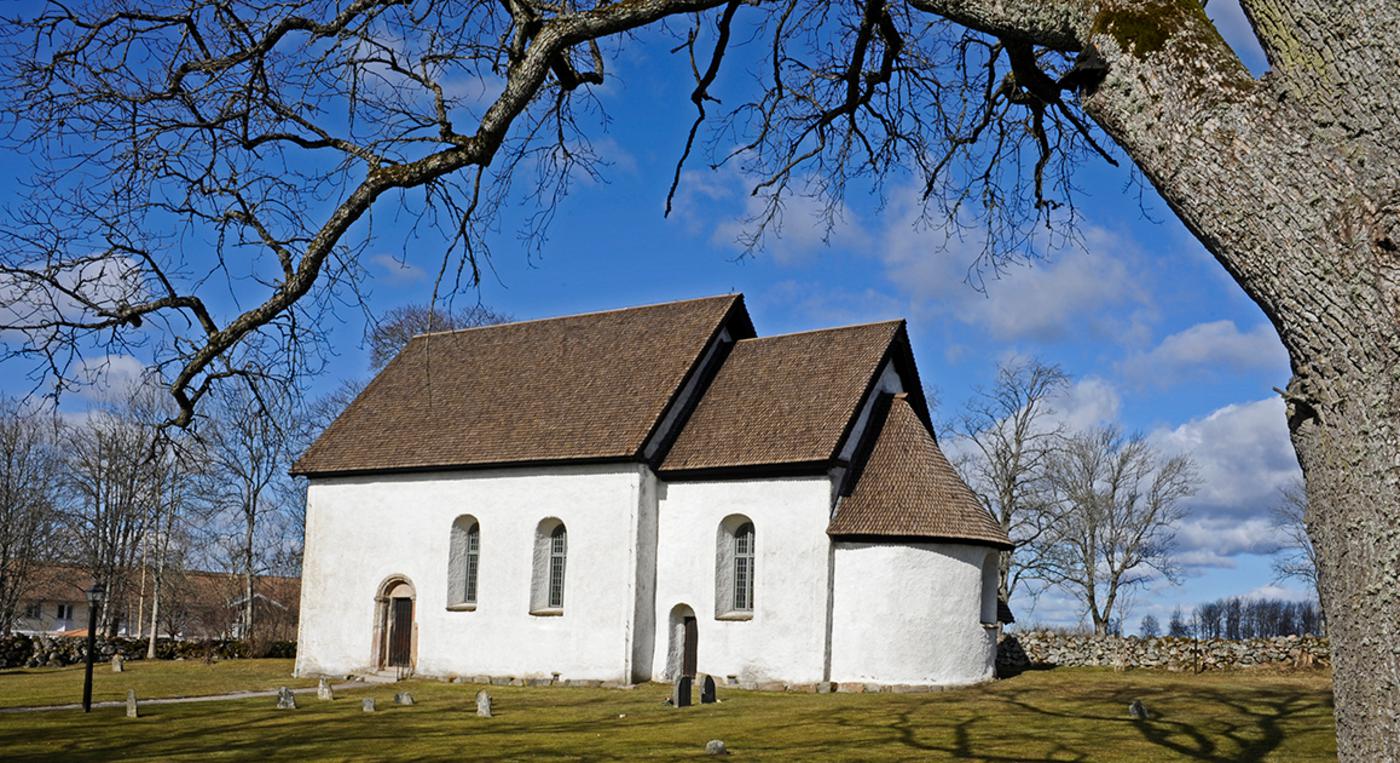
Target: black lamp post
<point>95,595</point>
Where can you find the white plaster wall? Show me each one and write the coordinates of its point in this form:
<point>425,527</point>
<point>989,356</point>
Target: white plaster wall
<point>785,639</point>
<point>910,613</point>
<point>889,382</point>
<point>361,530</point>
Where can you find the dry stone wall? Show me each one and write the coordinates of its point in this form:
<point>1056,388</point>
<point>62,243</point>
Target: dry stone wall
<point>22,651</point>
<point>1038,649</point>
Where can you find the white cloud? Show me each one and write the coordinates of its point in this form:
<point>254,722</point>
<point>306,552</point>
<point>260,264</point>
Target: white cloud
<point>804,227</point>
<point>108,282</point>
<point>1074,293</point>
<point>810,304</point>
<point>1243,455</point>
<point>1223,537</point>
<point>397,270</point>
<point>110,378</point>
<point>1205,349</point>
<point>1089,402</point>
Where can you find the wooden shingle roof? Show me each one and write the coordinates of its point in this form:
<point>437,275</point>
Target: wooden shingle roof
<point>782,400</point>
<point>907,489</point>
<point>589,387</point>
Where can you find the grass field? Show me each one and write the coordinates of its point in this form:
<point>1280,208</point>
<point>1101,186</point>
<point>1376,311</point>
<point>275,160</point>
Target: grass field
<point>21,687</point>
<point>1065,714</point>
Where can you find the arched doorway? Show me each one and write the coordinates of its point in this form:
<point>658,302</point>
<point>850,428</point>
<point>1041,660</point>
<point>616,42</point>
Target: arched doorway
<point>685,643</point>
<point>395,632</point>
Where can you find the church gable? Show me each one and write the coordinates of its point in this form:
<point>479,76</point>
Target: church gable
<point>906,489</point>
<point>590,387</point>
<point>785,401</point>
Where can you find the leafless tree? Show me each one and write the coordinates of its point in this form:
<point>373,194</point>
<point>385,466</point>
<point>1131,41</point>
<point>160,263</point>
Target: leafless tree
<point>111,485</point>
<point>1119,501</point>
<point>264,134</point>
<point>168,538</point>
<point>1011,426</point>
<point>392,332</point>
<point>28,470</point>
<point>1297,557</point>
<point>247,440</point>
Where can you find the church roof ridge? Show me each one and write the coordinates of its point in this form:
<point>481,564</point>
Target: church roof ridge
<point>504,324</point>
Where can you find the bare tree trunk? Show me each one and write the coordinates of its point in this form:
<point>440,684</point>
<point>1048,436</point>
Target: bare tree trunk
<point>248,577</point>
<point>141,597</point>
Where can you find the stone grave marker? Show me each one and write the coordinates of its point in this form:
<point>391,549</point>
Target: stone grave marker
<point>403,698</point>
<point>131,704</point>
<point>285,699</point>
<point>367,704</point>
<point>118,663</point>
<point>680,692</point>
<point>716,747</point>
<point>324,690</point>
<point>1138,710</point>
<point>483,704</point>
<point>707,691</point>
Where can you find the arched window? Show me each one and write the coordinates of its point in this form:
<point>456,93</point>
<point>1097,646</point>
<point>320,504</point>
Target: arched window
<point>464,563</point>
<point>735,570</point>
<point>548,578</point>
<point>558,549</point>
<point>991,580</point>
<point>743,568</point>
<point>473,560</point>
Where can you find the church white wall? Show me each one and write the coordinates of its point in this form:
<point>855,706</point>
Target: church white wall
<point>910,613</point>
<point>362,530</point>
<point>785,639</point>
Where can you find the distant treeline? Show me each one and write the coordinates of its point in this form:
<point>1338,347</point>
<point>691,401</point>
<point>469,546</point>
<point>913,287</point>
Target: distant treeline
<point>1238,618</point>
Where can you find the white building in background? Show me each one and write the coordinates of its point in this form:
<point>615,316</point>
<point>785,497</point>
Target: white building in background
<point>635,494</point>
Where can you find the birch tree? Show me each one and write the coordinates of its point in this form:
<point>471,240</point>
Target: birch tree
<point>150,121</point>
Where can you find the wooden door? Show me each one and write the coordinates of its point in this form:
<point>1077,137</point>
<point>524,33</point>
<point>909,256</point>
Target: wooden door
<point>401,633</point>
<point>692,638</point>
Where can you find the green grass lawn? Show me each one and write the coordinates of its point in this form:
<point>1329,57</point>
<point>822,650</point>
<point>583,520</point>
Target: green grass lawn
<point>1065,714</point>
<point>150,678</point>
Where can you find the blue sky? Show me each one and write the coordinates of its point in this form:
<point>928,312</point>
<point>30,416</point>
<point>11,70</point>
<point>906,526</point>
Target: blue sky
<point>1157,337</point>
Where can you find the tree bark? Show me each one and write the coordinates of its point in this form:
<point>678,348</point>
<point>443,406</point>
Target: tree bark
<point>1293,183</point>
<point>1304,216</point>
<point>247,633</point>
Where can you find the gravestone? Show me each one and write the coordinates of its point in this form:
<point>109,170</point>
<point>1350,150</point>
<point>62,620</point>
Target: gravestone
<point>680,692</point>
<point>1138,710</point>
<point>324,690</point>
<point>285,699</point>
<point>716,747</point>
<point>131,704</point>
<point>403,698</point>
<point>118,663</point>
<point>707,691</point>
<point>367,704</point>
<point>483,704</point>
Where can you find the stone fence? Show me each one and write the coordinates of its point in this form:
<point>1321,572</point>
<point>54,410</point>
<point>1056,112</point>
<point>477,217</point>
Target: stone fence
<point>1036,649</point>
<point>21,651</point>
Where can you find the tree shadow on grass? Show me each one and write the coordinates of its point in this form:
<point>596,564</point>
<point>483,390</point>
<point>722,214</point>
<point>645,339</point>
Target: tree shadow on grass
<point>1265,711</point>
<point>1221,725</point>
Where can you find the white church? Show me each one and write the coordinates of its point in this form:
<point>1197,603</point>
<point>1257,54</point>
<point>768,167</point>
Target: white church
<point>637,494</point>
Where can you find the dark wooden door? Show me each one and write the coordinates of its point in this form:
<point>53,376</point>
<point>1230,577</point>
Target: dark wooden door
<point>401,633</point>
<point>692,638</point>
